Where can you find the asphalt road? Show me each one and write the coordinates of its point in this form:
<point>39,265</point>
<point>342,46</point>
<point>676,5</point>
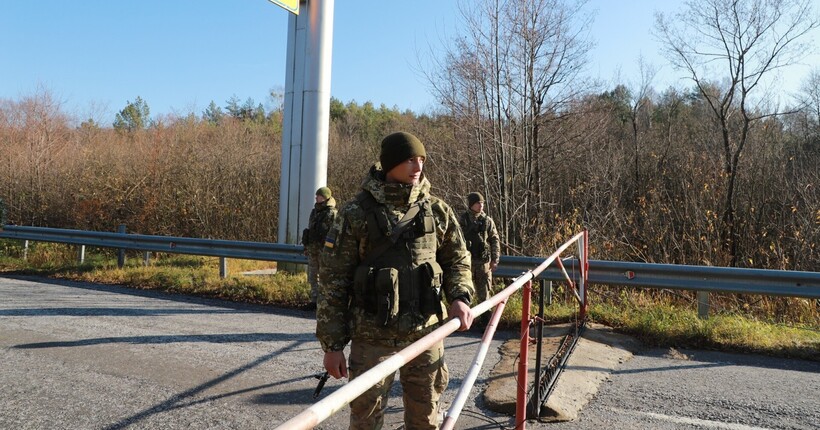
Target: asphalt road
<point>85,356</point>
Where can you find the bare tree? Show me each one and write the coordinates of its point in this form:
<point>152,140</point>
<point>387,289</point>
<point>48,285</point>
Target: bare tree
<point>741,42</point>
<point>515,70</point>
<point>640,97</point>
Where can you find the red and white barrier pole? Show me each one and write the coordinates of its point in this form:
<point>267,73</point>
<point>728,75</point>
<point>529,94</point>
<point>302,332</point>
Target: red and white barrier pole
<point>320,411</point>
<point>467,384</point>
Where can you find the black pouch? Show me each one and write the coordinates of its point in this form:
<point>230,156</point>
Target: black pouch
<point>364,289</point>
<point>431,279</point>
<point>387,287</point>
<point>305,236</point>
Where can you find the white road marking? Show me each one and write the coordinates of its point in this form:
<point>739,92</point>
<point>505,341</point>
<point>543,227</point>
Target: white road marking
<point>691,421</point>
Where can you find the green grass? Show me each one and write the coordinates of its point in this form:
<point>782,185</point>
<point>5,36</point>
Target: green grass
<point>654,318</point>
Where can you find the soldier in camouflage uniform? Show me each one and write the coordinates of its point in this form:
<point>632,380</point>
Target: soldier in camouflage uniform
<point>483,243</point>
<point>394,254</point>
<point>313,237</point>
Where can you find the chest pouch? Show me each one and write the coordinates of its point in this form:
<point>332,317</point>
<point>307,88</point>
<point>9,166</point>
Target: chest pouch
<point>387,291</point>
<point>364,288</point>
<point>430,281</point>
<point>376,291</point>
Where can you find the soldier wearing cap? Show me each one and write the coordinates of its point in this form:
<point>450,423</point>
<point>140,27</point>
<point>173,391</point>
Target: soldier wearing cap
<point>394,267</point>
<point>313,237</point>
<point>483,243</point>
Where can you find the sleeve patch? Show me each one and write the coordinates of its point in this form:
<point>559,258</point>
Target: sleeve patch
<point>330,242</point>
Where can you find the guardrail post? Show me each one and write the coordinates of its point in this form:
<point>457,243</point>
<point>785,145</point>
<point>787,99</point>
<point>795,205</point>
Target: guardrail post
<point>223,267</point>
<point>146,258</point>
<point>121,253</point>
<point>703,305</point>
<point>548,285</point>
<point>25,250</point>
<point>81,254</point>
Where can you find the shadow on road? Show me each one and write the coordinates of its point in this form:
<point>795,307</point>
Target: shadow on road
<point>204,338</point>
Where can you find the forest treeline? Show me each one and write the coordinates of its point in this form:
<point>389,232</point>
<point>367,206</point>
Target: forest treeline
<point>659,201</point>
<point>714,173</point>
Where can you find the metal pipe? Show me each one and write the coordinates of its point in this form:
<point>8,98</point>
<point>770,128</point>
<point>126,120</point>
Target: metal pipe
<point>469,380</point>
<point>331,404</point>
<point>535,407</point>
<point>582,283</point>
<point>523,357</point>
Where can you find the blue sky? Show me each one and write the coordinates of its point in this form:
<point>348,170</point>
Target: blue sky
<point>96,55</point>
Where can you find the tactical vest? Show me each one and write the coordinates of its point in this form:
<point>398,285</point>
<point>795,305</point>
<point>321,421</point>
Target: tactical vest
<point>475,234</point>
<point>399,275</point>
<point>317,227</point>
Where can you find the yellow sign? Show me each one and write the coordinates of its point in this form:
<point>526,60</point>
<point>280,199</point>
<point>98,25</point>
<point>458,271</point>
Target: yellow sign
<point>289,5</point>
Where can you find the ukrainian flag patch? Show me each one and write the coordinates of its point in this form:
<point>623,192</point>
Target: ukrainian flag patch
<point>330,242</point>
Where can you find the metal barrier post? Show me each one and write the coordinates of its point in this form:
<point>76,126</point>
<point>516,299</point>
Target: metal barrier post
<point>703,305</point>
<point>583,261</point>
<point>535,403</point>
<point>223,267</point>
<point>121,253</point>
<point>81,254</point>
<point>521,398</point>
<point>25,250</point>
<point>146,258</point>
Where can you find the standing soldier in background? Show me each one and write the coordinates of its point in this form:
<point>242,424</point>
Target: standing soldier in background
<point>394,253</point>
<point>484,245</point>
<point>313,237</point>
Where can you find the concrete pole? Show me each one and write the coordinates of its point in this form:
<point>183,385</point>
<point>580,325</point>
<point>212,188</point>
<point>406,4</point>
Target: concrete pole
<point>307,115</point>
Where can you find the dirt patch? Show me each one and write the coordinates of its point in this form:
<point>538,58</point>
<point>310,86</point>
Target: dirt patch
<point>597,354</point>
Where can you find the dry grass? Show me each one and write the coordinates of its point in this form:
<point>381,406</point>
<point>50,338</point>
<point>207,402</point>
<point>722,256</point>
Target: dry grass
<point>657,318</point>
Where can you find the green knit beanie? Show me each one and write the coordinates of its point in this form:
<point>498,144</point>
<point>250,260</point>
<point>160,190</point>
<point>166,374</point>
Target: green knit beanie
<point>398,147</point>
<point>324,192</point>
<point>474,198</point>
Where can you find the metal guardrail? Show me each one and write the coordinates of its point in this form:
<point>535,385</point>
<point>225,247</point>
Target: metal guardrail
<point>636,275</point>
<point>710,279</point>
<point>175,245</point>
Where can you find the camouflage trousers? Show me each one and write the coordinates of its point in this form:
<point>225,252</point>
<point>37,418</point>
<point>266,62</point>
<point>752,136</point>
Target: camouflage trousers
<point>423,380</point>
<point>483,280</point>
<point>313,276</point>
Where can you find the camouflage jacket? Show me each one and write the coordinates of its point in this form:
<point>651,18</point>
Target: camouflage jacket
<point>482,237</point>
<point>338,319</point>
<point>319,223</point>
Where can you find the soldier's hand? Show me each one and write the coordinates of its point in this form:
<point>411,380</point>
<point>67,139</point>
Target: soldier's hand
<point>462,311</point>
<point>336,364</point>
<point>493,265</point>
